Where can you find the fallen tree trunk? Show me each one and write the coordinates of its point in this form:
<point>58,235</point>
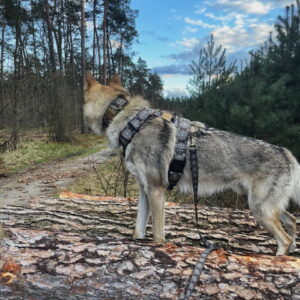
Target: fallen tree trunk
<point>80,249</point>
<point>51,265</point>
<point>235,230</point>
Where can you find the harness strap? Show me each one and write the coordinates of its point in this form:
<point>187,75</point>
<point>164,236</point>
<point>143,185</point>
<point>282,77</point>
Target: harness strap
<point>179,157</point>
<point>133,127</point>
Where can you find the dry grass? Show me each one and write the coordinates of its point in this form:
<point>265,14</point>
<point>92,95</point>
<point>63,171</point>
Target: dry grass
<point>109,179</point>
<point>35,148</point>
<point>112,179</point>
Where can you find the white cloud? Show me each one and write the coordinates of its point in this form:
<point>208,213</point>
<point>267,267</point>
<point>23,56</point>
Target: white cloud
<point>188,42</point>
<point>115,44</point>
<point>241,36</point>
<point>219,18</point>
<point>175,92</point>
<point>175,84</point>
<point>89,25</point>
<point>235,31</point>
<point>198,23</point>
<point>200,10</point>
<point>190,29</point>
<point>247,6</point>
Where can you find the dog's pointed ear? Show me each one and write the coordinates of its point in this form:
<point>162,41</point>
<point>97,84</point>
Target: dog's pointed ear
<point>116,80</point>
<point>90,79</point>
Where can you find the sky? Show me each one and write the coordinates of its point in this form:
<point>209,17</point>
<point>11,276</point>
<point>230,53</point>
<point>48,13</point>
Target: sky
<point>171,32</point>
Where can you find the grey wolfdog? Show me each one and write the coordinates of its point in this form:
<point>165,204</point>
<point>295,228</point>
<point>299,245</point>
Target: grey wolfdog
<point>268,174</point>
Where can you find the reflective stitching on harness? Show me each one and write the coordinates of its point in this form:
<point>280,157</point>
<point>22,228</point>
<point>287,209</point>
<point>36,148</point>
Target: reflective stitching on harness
<point>133,127</point>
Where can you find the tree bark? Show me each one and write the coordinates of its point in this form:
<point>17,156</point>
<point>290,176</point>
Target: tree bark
<point>82,30</point>
<point>50,38</point>
<point>94,34</point>
<point>2,62</point>
<point>3,27</point>
<point>76,248</point>
<point>83,63</point>
<point>105,41</point>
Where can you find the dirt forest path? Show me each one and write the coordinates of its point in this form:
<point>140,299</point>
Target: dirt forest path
<point>42,180</point>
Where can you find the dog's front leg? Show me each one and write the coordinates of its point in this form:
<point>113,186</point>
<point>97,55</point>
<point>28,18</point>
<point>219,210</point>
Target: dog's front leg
<point>142,215</point>
<point>156,198</point>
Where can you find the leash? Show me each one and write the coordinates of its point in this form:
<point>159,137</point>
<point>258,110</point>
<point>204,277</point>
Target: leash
<point>208,245</point>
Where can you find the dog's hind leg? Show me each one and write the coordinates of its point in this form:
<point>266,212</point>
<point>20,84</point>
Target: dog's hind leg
<point>269,218</point>
<point>290,222</point>
<point>156,196</point>
<point>142,215</point>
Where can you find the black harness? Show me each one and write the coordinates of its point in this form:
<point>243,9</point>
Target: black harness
<point>179,157</point>
<point>134,126</point>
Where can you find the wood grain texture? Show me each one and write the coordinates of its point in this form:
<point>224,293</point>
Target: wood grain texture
<point>82,249</point>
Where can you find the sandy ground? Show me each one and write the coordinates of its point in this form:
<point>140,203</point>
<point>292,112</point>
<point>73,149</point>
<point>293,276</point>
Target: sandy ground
<point>42,180</point>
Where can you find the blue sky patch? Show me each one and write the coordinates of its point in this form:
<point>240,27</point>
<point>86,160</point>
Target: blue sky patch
<point>171,32</point>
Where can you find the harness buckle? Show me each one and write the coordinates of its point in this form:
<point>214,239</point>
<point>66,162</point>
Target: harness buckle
<point>167,116</point>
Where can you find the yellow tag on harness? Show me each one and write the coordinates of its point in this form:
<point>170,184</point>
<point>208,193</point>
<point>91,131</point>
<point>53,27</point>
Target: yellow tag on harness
<point>167,116</point>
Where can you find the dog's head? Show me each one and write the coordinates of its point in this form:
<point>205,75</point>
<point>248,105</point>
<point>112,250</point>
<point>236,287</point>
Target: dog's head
<point>97,98</point>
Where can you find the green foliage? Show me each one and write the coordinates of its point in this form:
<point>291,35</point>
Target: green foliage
<point>140,81</point>
<point>211,69</point>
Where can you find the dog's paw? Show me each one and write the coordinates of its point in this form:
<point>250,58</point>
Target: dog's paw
<point>159,240</point>
<point>293,247</point>
<point>138,235</point>
<point>284,248</point>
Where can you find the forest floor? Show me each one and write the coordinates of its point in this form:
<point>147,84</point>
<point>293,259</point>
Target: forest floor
<point>46,179</point>
<point>48,175</point>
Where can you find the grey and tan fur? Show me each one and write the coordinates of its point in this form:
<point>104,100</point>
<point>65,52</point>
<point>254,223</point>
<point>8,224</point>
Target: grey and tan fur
<point>268,174</point>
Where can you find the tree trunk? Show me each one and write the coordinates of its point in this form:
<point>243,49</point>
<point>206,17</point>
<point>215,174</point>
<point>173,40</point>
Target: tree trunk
<point>50,38</point>
<point>83,42</point>
<point>82,249</point>
<point>98,54</point>
<point>105,41</point>
<point>94,35</point>
<point>120,63</point>
<point>83,62</point>
<point>58,33</point>
<point>2,62</point>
